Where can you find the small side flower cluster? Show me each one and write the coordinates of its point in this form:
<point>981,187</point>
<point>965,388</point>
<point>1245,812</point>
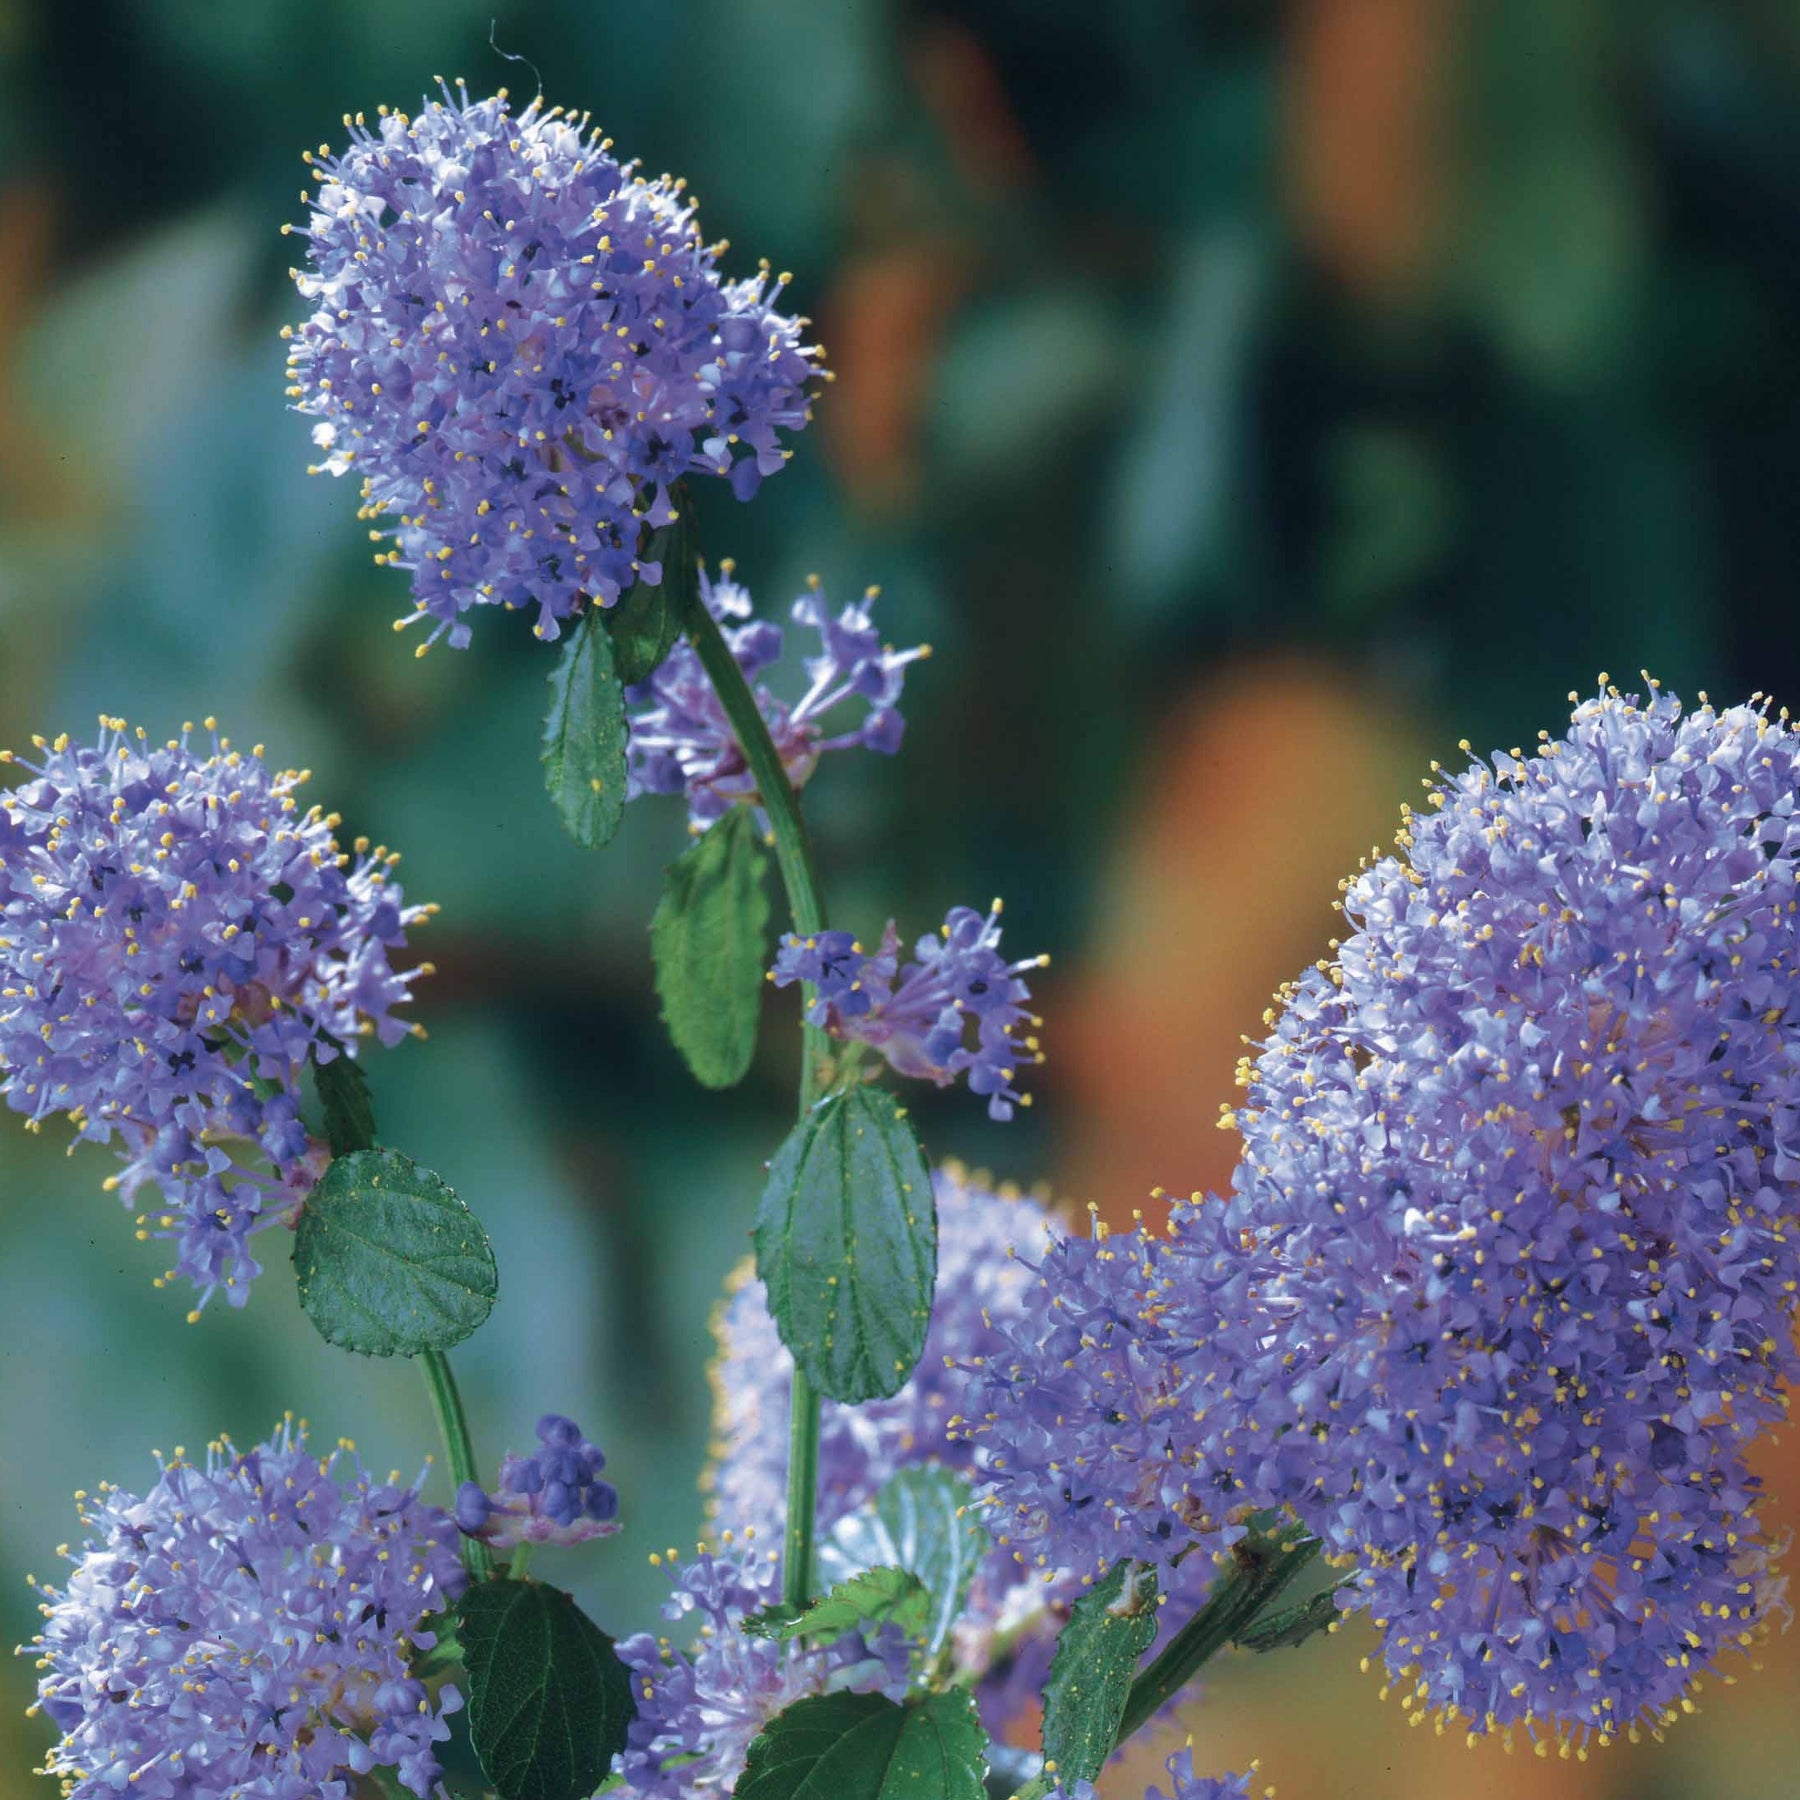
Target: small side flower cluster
<point>554,1496</point>
<point>176,938</point>
<point>523,344</point>
<point>918,1014</point>
<point>247,1629</point>
<point>702,1703</point>
<point>683,743</point>
<point>1507,1279</point>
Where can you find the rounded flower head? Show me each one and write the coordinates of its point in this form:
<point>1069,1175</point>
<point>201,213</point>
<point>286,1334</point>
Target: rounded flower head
<point>1507,1276</point>
<point>522,345</point>
<point>1527,1148</point>
<point>554,1496</point>
<point>176,938</point>
<point>682,742</point>
<point>245,1630</point>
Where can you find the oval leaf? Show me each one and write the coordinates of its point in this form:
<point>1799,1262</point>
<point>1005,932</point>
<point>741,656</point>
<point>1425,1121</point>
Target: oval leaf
<point>846,1244</point>
<point>390,1260</point>
<point>925,1522</point>
<point>584,735</point>
<point>645,621</point>
<point>710,939</point>
<point>867,1747</point>
<point>1096,1660</point>
<point>549,1700</point>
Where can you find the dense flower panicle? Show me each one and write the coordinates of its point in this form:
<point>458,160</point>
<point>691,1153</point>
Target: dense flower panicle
<point>683,743</point>
<point>1515,1232</point>
<point>245,1630</point>
<point>176,937</point>
<point>918,1014</point>
<point>554,1496</point>
<point>861,1448</point>
<point>704,1692</point>
<point>522,345</point>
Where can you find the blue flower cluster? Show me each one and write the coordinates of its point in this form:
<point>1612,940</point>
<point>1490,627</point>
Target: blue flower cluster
<point>523,345</point>
<point>554,1496</point>
<point>1507,1278</point>
<point>683,743</point>
<point>176,938</point>
<point>247,1629</point>
<point>917,1014</point>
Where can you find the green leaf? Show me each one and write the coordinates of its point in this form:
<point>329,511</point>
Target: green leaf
<point>846,1245</point>
<point>389,1259</point>
<point>584,735</point>
<point>344,1099</point>
<point>1096,1658</point>
<point>872,1597</point>
<point>549,1700</point>
<point>923,1521</point>
<point>645,621</point>
<point>867,1747</point>
<point>1288,1626</point>
<point>710,939</point>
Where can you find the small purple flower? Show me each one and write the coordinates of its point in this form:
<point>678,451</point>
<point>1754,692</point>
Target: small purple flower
<point>1184,1784</point>
<point>522,345</point>
<point>702,1700</point>
<point>176,938</point>
<point>554,1496</point>
<point>918,1014</point>
<point>248,1629</point>
<point>682,742</point>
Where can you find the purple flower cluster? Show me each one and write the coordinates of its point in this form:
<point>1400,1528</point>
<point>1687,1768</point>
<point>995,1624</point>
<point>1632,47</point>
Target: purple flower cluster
<point>522,345</point>
<point>176,937</point>
<point>682,742</point>
<point>917,1014</point>
<point>1507,1277</point>
<point>246,1630</point>
<point>554,1496</point>
<point>702,1702</point>
<point>1184,1784</point>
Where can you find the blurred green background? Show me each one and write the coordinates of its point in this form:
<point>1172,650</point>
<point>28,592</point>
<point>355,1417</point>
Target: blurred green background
<point>1247,400</point>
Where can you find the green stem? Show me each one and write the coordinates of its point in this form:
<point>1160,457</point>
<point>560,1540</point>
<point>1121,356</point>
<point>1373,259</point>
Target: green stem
<point>1262,1567</point>
<point>454,1427</point>
<point>793,855</point>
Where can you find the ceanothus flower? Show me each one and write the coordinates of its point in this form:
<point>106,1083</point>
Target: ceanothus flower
<point>701,1702</point>
<point>918,1014</point>
<point>1506,1281</point>
<point>554,1496</point>
<point>176,939</point>
<point>245,1632</point>
<point>683,743</point>
<point>523,345</point>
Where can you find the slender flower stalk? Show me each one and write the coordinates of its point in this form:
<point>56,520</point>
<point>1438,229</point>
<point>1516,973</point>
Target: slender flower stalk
<point>793,855</point>
<point>453,1426</point>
